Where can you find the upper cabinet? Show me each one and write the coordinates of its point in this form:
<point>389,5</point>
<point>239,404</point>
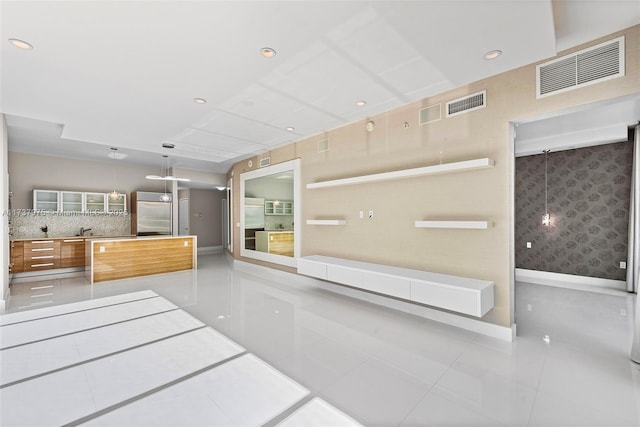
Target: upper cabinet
<point>95,202</point>
<point>117,205</point>
<point>76,201</point>
<point>278,207</point>
<point>72,201</point>
<point>46,200</point>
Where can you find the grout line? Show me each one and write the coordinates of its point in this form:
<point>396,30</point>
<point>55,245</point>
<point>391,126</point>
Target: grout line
<point>93,359</point>
<point>277,419</point>
<point>147,393</point>
<point>89,329</point>
<point>79,311</point>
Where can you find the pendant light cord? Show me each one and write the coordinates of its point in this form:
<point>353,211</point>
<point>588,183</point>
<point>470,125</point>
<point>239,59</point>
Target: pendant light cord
<point>546,186</point>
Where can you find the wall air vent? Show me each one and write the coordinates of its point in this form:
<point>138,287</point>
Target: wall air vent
<point>468,103</point>
<point>593,65</point>
<point>265,162</point>
<point>430,114</point>
<point>323,145</point>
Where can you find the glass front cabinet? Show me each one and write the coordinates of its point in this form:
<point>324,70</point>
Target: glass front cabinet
<point>77,201</point>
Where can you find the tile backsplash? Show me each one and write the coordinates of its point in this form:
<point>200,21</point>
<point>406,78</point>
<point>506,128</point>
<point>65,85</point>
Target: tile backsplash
<point>26,225</point>
<point>278,222</point>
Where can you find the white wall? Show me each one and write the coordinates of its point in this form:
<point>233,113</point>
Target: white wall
<point>4,206</point>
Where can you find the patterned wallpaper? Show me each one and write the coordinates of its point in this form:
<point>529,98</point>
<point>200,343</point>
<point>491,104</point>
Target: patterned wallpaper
<point>588,199</point>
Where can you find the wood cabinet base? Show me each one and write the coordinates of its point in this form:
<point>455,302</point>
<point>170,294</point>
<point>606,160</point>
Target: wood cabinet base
<point>121,259</point>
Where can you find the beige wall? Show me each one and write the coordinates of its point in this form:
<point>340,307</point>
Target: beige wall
<point>29,171</point>
<point>486,194</point>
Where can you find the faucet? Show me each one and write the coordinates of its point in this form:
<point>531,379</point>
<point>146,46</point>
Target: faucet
<point>84,230</point>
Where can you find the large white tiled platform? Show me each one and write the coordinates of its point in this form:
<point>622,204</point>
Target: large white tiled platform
<point>138,359</point>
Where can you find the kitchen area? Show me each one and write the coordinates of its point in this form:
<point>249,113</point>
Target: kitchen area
<point>97,235</point>
<point>268,204</point>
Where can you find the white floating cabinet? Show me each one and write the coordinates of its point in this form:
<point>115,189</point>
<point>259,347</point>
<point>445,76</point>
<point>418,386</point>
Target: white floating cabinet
<point>460,294</point>
<point>473,225</point>
<point>407,173</point>
<point>326,222</point>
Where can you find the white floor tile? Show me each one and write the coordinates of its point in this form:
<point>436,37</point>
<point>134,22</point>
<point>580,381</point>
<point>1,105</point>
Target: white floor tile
<point>378,366</point>
<point>376,394</point>
<point>44,356</point>
<point>22,316</point>
<point>113,379</point>
<point>26,332</point>
<point>242,392</point>
<point>318,413</point>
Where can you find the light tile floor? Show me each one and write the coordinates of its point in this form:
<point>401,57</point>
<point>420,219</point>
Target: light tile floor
<point>387,368</point>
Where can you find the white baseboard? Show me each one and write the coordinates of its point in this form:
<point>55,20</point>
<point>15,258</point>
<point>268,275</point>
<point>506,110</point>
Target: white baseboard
<point>209,250</point>
<point>478,326</point>
<point>571,281</point>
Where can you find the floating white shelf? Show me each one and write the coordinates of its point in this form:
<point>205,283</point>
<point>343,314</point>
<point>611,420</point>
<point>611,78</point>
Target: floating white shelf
<point>476,225</point>
<point>407,173</point>
<point>326,222</point>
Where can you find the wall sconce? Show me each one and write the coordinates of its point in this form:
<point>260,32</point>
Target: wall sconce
<point>546,218</point>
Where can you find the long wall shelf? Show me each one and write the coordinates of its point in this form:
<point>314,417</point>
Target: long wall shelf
<point>407,173</point>
<point>326,222</point>
<point>475,225</point>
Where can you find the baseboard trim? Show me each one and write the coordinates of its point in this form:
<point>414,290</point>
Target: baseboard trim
<point>58,273</point>
<point>209,250</point>
<point>570,281</point>
<point>489,329</point>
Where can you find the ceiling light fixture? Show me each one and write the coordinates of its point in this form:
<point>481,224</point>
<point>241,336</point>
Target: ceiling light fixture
<point>114,195</point>
<point>291,128</point>
<point>546,218</point>
<point>361,103</point>
<point>492,54</point>
<point>21,44</point>
<point>200,100</point>
<point>268,52</point>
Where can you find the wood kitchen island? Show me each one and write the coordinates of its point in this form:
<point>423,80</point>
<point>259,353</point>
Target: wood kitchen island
<point>111,259</point>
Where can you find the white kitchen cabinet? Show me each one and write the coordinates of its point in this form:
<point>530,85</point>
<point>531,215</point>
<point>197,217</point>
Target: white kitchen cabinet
<point>117,205</point>
<point>71,201</point>
<point>46,200</point>
<point>278,207</point>
<point>95,202</point>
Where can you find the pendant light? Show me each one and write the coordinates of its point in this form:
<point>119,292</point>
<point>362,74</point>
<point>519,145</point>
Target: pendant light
<point>546,218</point>
<point>165,197</point>
<point>114,195</point>
<point>164,173</point>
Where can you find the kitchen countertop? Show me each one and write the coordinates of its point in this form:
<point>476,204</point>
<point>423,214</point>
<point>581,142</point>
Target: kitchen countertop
<point>89,236</point>
<point>275,231</point>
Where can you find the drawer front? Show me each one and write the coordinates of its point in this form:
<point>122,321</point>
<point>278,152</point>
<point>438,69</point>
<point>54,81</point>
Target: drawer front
<point>312,268</point>
<point>41,264</point>
<point>396,286</point>
<point>36,249</point>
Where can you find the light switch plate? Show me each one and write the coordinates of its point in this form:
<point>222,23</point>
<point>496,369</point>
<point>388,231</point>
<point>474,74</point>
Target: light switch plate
<point>528,245</point>
<point>623,265</point>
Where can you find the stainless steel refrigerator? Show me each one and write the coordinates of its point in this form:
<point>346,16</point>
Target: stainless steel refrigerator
<point>150,215</point>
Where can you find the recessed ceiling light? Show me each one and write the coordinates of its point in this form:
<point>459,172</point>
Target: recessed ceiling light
<point>492,54</point>
<point>199,100</point>
<point>291,128</point>
<point>20,44</point>
<point>167,145</point>
<point>361,103</point>
<point>268,52</point>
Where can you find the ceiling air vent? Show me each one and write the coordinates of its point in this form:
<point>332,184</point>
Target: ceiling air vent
<point>265,162</point>
<point>593,65</point>
<point>430,114</point>
<point>468,103</point>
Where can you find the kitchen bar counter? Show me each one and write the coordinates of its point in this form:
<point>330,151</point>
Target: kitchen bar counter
<point>275,242</point>
<point>109,258</point>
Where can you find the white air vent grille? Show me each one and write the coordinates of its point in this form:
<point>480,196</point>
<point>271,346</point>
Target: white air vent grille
<point>468,103</point>
<point>265,162</point>
<point>430,114</point>
<point>596,64</point>
<point>323,145</point>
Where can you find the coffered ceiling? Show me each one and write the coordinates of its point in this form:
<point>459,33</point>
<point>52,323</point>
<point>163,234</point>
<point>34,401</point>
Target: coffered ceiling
<point>125,74</point>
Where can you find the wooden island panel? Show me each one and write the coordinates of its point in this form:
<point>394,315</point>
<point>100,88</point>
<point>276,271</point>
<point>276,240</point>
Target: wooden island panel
<point>120,259</point>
